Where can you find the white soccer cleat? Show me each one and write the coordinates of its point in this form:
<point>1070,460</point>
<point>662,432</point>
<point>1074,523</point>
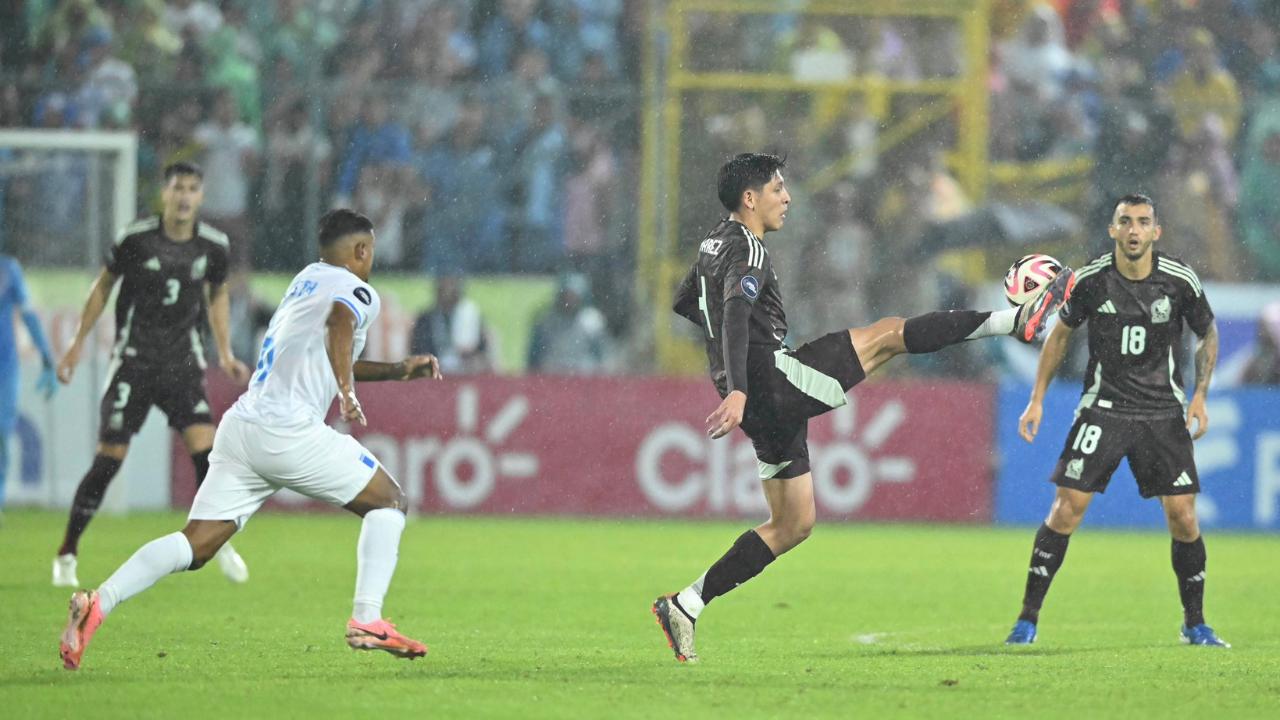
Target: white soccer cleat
<point>64,571</point>
<point>232,565</point>
<point>677,627</point>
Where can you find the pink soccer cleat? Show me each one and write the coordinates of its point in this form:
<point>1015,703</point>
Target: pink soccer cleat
<point>83,619</point>
<point>1035,314</point>
<point>382,635</point>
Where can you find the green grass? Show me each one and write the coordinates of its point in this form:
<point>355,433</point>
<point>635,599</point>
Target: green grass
<point>549,618</point>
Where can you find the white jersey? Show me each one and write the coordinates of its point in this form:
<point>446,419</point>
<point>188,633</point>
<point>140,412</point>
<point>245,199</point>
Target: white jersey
<point>293,383</point>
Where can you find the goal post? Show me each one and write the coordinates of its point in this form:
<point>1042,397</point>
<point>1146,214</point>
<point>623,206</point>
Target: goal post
<point>69,192</point>
<point>119,148</point>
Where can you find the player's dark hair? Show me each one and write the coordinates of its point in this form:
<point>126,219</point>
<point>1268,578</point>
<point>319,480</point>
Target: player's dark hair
<point>1138,199</point>
<point>337,224</point>
<point>748,171</point>
<point>173,170</point>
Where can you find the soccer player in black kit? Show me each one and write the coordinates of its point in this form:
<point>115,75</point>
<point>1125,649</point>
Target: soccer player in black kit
<point>732,294</point>
<point>173,269</point>
<point>1135,300</point>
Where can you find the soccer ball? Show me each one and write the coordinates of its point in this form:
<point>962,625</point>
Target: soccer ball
<point>1028,277</point>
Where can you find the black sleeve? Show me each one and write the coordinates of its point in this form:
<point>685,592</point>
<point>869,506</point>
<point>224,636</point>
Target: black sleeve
<point>1195,308</point>
<point>686,302</point>
<point>735,335</point>
<point>119,256</point>
<point>1082,303</point>
<point>218,262</point>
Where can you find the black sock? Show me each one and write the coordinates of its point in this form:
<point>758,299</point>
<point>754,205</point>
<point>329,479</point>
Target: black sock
<point>201,461</point>
<point>933,331</point>
<point>1046,557</point>
<point>1188,564</point>
<point>748,556</point>
<point>88,498</point>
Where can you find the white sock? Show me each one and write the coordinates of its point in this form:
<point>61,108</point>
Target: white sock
<point>999,322</point>
<point>690,598</point>
<point>376,555</point>
<point>160,557</point>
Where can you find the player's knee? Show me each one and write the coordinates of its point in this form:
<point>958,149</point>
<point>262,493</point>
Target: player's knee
<point>1183,523</point>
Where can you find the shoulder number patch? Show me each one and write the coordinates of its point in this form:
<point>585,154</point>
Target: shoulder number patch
<point>362,294</point>
<point>750,286</point>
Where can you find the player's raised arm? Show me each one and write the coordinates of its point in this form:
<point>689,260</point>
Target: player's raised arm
<point>1051,357</point>
<point>220,324</point>
<point>339,339</point>
<point>99,292</point>
<point>1206,360</point>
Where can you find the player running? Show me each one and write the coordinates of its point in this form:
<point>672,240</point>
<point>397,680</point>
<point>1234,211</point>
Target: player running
<point>1135,300</point>
<point>771,391</point>
<point>275,437</point>
<point>14,298</point>
<point>173,270</point>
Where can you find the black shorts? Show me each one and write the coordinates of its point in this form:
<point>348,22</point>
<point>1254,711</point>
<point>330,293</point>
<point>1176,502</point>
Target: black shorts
<point>786,390</point>
<point>1159,452</point>
<point>177,389</point>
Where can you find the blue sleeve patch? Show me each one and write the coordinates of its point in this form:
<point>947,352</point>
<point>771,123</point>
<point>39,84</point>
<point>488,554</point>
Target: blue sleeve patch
<point>367,460</point>
<point>750,287</point>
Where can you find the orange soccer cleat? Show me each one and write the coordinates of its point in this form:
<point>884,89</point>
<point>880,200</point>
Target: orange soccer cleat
<point>83,619</point>
<point>382,635</point>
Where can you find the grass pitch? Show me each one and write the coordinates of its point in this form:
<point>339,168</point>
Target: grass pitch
<point>550,618</point>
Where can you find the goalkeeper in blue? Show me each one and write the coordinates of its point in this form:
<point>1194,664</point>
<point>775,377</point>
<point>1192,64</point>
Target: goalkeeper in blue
<point>14,298</point>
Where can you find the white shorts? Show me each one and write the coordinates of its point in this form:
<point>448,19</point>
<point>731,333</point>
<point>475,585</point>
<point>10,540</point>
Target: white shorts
<point>250,462</point>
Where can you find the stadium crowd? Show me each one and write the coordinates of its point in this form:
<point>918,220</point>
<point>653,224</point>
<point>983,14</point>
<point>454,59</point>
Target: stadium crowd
<point>502,136</point>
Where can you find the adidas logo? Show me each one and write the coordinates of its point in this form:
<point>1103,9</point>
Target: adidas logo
<point>1183,480</point>
<point>152,264</point>
<point>1108,307</point>
<point>1198,577</point>
<point>1040,570</point>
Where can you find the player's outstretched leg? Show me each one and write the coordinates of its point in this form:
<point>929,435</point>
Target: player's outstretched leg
<point>1047,554</point>
<point>173,553</point>
<point>792,515</point>
<point>88,499</point>
<point>381,504</point>
<point>199,440</point>
<point>1189,561</point>
<point>889,337</point>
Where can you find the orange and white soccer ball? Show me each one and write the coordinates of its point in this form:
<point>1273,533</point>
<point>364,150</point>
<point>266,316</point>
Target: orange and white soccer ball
<point>1028,277</point>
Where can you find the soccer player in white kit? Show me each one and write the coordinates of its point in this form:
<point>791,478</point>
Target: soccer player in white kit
<point>275,437</point>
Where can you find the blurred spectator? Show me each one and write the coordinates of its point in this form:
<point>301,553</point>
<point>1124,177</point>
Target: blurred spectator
<point>110,88</point>
<point>570,337</point>
<point>589,191</point>
<point>443,37</point>
<point>380,195</point>
<point>841,264</point>
<point>294,147</point>
<point>463,232</point>
<point>1037,57</point>
<point>595,24</point>
<point>816,53</point>
<point>508,34</point>
<point>297,34</point>
<point>377,140</point>
<point>537,182</point>
<point>231,150</point>
<point>147,43</point>
<point>70,21</point>
<point>1264,365</point>
<point>234,57</point>
<point>1204,88</point>
<point>1260,210</point>
<point>198,18</point>
<point>1201,191</point>
<point>249,317</point>
<point>513,98</point>
<point>454,331</point>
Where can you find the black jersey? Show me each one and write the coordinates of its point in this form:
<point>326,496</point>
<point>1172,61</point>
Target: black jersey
<point>160,308</point>
<point>1135,333</point>
<point>733,263</point>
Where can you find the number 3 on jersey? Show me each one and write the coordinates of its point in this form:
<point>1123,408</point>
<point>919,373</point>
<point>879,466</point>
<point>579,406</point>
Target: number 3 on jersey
<point>1133,340</point>
<point>172,288</point>
<point>266,358</point>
